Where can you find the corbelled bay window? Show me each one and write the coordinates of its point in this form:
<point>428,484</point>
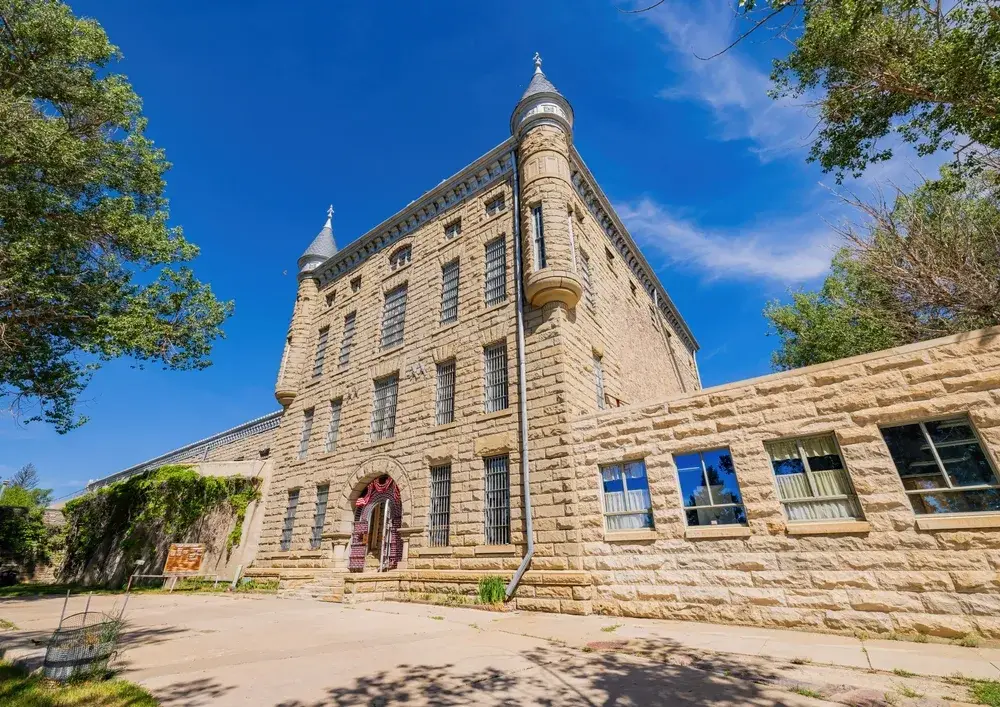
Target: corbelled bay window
<point>709,490</point>
<point>324,335</point>
<point>943,467</point>
<point>444,404</point>
<point>307,425</point>
<point>812,480</point>
<point>625,490</point>
<point>384,407</point>
<point>333,431</point>
<point>495,376</point>
<point>289,523</point>
<point>394,317</point>
<point>319,520</point>
<point>348,338</point>
<point>496,271</point>
<point>538,226</point>
<point>440,515</point>
<point>599,381</point>
<point>449,292</point>
<point>497,500</point>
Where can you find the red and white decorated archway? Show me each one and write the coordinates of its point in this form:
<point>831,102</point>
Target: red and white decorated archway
<point>378,491</point>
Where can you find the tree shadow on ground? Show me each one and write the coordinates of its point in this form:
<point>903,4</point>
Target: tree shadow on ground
<point>192,693</point>
<point>558,675</point>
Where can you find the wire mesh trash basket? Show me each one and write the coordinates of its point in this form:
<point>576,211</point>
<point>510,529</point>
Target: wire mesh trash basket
<point>83,644</point>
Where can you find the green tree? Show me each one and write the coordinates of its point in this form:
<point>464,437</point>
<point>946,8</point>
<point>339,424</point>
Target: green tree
<point>21,489</point>
<point>89,268</point>
<point>25,541</point>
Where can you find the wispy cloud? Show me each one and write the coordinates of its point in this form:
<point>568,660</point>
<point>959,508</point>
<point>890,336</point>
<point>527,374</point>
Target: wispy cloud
<point>787,252</point>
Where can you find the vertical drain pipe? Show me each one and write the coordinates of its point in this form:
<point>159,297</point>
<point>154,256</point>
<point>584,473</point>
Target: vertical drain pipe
<point>522,396</point>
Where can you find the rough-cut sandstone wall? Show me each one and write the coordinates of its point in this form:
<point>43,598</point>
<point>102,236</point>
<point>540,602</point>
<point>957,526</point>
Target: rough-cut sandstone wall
<point>898,575</point>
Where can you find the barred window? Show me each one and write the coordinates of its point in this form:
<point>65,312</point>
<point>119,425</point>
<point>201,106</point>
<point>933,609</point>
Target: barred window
<point>440,519</point>
<point>813,483</point>
<point>625,492</point>
<point>496,271</point>
<point>495,376</point>
<point>333,431</point>
<point>589,296</point>
<point>449,292</point>
<point>495,206</point>
<point>497,501</point>
<point>384,408</point>
<point>539,242</point>
<point>307,425</point>
<point>319,520</point>
<point>943,467</point>
<point>453,229</point>
<point>348,339</point>
<point>445,403</point>
<point>709,490</point>
<point>394,317</point>
<point>599,381</point>
<point>289,524</point>
<point>356,284</point>
<point>324,335</point>
<point>400,258</point>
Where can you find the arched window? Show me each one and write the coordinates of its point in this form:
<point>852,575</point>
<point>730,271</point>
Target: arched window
<point>399,258</point>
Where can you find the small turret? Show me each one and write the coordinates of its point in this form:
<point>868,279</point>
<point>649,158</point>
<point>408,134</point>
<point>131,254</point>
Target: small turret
<point>541,103</point>
<point>321,249</point>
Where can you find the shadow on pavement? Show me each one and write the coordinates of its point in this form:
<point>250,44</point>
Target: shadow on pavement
<point>193,693</point>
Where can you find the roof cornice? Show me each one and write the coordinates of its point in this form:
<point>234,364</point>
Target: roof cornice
<point>485,171</point>
<point>595,199</point>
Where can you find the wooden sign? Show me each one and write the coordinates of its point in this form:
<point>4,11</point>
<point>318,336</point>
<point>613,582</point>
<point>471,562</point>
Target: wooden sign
<point>184,558</point>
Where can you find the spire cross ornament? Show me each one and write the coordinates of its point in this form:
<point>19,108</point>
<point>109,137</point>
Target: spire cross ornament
<point>538,63</point>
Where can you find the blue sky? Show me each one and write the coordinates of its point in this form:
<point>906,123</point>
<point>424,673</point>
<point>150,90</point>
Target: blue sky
<point>269,115</point>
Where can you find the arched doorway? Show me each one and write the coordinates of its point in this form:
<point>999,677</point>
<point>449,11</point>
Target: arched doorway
<point>378,516</point>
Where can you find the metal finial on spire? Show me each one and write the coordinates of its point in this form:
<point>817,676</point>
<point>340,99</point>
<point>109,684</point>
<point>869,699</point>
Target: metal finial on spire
<point>538,63</point>
<point>329,217</point>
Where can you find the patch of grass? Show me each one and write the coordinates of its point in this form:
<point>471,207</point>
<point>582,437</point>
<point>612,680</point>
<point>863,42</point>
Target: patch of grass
<point>800,661</point>
<point>19,689</point>
<point>902,673</point>
<point>920,638</point>
<point>6,625</point>
<point>986,692</point>
<point>969,640</point>
<point>909,692</point>
<point>492,589</point>
<point>438,618</point>
<point>28,589</point>
<point>806,692</point>
<point>611,629</point>
<point>249,584</point>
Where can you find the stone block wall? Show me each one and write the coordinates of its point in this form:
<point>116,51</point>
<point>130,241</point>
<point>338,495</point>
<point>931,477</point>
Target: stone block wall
<point>892,571</point>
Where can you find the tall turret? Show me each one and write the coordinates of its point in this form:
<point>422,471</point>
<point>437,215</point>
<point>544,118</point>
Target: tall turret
<point>542,122</point>
<point>321,249</point>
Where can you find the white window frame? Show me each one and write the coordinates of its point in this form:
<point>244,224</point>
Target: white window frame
<point>704,477</point>
<point>851,498</point>
<point>629,511</point>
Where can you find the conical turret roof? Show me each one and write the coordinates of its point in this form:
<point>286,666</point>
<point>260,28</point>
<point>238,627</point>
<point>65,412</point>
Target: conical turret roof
<point>541,101</point>
<point>322,248</point>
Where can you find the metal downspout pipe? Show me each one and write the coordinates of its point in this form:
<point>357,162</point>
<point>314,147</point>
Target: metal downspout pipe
<point>522,396</point>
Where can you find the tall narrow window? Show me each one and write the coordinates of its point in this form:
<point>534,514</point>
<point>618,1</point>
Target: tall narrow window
<point>539,228</point>
<point>627,505</point>
<point>496,271</point>
<point>943,467</point>
<point>495,376</point>
<point>324,335</point>
<point>348,339</point>
<point>394,317</point>
<point>384,408</point>
<point>445,403</point>
<point>589,296</point>
<point>497,501</point>
<point>709,490</point>
<point>812,481</point>
<point>599,381</point>
<point>333,431</point>
<point>289,525</point>
<point>449,292</point>
<point>307,426</point>
<point>440,519</point>
<point>319,520</point>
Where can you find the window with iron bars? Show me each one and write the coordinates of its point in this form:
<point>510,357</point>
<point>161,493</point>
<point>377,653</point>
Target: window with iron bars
<point>497,500</point>
<point>307,425</point>
<point>445,402</point>
<point>440,516</point>
<point>324,335</point>
<point>599,381</point>
<point>289,524</point>
<point>589,296</point>
<point>333,431</point>
<point>539,228</point>
<point>495,376</point>
<point>449,292</point>
<point>384,408</point>
<point>496,271</point>
<point>495,206</point>
<point>394,317</point>
<point>348,339</point>
<point>319,520</point>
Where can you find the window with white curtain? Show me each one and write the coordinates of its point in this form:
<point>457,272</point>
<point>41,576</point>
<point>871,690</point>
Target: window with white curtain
<point>625,489</point>
<point>709,489</point>
<point>813,483</point>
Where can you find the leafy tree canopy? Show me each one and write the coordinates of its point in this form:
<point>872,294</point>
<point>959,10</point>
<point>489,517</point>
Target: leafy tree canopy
<point>21,489</point>
<point>89,268</point>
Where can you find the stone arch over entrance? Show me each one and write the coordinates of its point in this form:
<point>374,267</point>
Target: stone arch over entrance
<point>379,485</point>
<point>367,471</point>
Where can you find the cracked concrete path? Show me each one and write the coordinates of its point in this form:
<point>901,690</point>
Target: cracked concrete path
<point>236,650</point>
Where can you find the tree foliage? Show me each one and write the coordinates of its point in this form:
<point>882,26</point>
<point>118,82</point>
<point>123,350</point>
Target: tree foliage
<point>89,268</point>
<point>25,540</point>
<point>925,266</point>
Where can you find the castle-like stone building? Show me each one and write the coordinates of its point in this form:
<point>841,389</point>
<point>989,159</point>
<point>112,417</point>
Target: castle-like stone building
<point>493,381</point>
